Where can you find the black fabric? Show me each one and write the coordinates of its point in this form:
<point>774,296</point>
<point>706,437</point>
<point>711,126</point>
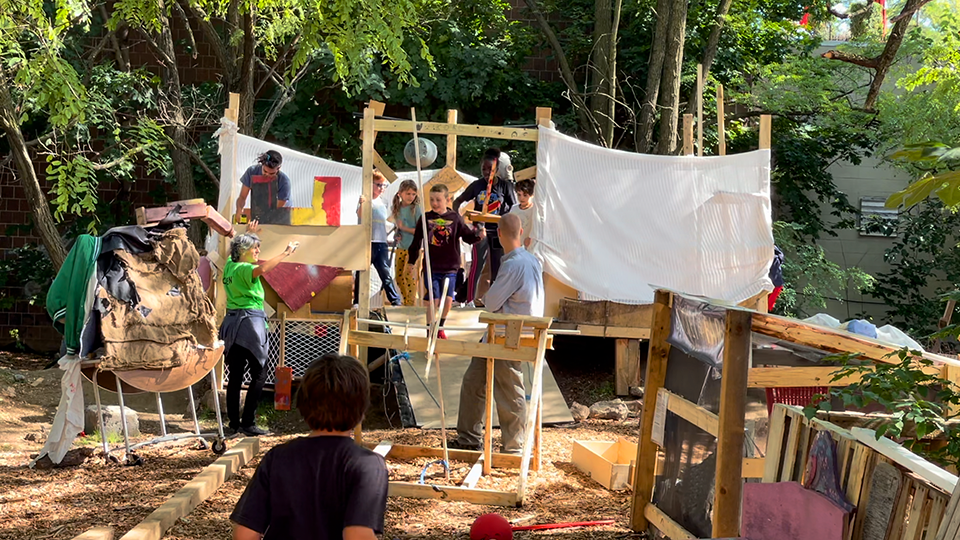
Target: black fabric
<point>246,328</point>
<point>776,268</point>
<point>313,488</point>
<point>240,359</point>
<point>111,274</point>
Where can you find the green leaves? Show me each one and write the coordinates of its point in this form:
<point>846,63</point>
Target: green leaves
<point>943,179</point>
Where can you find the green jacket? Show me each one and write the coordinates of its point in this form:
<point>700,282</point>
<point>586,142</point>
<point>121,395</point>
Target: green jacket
<point>67,297</point>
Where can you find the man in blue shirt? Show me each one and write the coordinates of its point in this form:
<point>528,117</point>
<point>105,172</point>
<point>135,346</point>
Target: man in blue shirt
<point>518,290</point>
<point>267,171</point>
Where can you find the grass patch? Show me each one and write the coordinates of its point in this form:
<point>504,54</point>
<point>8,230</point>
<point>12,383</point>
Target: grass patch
<point>94,439</point>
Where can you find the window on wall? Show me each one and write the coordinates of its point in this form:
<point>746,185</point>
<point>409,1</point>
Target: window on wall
<point>876,219</point>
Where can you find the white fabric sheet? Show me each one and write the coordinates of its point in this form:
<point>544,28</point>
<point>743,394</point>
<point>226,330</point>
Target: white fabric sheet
<point>615,225</point>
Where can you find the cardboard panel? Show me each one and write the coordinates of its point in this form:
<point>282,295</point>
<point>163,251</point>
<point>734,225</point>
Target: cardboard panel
<point>346,247</point>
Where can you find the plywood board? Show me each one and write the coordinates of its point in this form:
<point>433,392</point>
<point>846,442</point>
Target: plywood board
<point>449,177</point>
<point>423,392</point>
<point>345,247</point>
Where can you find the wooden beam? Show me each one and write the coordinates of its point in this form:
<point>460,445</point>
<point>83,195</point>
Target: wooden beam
<point>233,108</point>
<point>466,130</point>
<point>931,473</point>
<point>403,451</point>
<point>771,465</point>
<point>614,332</point>
<point>691,412</point>
<point>646,449</point>
<point>721,134</point>
<point>627,365</point>
<point>530,423</point>
<point>488,407</point>
<point>789,377</point>
<point>525,341</point>
<point>96,533</point>
<point>451,493</point>
<point>443,346</point>
<point>753,467</point>
<point>503,318</point>
<point>381,165</point>
<point>476,470</point>
<point>664,524</point>
<point>525,174</point>
<point>366,219</point>
<point>733,409</point>
<point>700,110</point>
<point>765,131</point>
<point>195,492</point>
<point>688,134</point>
<point>452,141</point>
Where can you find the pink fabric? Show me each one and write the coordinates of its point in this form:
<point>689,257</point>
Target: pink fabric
<point>296,284</point>
<point>205,272</point>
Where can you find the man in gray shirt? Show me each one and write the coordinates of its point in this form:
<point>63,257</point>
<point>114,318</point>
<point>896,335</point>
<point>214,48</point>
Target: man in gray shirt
<point>518,290</point>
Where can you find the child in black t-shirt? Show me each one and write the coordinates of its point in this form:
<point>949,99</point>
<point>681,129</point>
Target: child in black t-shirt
<point>323,486</point>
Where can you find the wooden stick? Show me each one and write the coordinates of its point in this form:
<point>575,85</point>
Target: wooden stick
<point>493,174</point>
<point>430,346</point>
<point>451,142</point>
<point>431,309</point>
<point>700,110</point>
<point>488,397</point>
<point>283,339</point>
<point>765,127</point>
<point>536,393</point>
<point>733,407</point>
<point>366,219</point>
<point>644,472</point>
<point>688,134</point>
<point>721,134</point>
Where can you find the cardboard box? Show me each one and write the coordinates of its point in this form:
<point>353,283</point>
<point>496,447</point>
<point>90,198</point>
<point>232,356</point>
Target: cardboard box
<point>608,462</point>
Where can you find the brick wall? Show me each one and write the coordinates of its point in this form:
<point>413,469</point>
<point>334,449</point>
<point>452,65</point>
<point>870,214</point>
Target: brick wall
<point>542,64</point>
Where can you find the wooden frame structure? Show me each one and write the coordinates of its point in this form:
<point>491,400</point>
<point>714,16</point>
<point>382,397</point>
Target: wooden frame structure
<point>509,337</point>
<point>728,427</point>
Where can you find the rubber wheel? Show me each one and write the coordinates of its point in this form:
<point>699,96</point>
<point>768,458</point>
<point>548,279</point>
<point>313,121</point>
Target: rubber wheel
<point>134,460</point>
<point>201,445</point>
<point>113,459</point>
<point>219,447</point>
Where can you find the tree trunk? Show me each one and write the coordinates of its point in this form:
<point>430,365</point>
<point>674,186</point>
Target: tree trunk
<point>246,86</point>
<point>39,206</point>
<point>710,52</point>
<point>889,54</point>
<point>601,74</point>
<point>670,81</point>
<point>648,109</point>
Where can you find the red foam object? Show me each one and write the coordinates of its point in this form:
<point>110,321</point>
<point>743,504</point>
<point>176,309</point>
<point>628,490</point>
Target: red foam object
<point>491,527</point>
<point>788,510</point>
<point>296,284</point>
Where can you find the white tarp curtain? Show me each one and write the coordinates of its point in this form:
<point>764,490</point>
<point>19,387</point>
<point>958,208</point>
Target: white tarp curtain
<point>615,225</point>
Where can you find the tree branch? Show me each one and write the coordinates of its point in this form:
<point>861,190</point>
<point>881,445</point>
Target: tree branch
<point>152,44</point>
<point>273,69</point>
<point>186,23</point>
<point>198,160</point>
<point>857,59</point>
<point>909,11</point>
<point>856,13</point>
<point>224,55</point>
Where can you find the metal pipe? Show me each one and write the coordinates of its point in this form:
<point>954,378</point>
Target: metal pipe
<point>96,396</point>
<point>557,331</point>
<point>123,417</point>
<point>163,420</point>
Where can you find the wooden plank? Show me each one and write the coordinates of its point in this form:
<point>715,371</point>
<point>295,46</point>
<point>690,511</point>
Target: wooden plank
<point>488,406</point>
<point>466,130</point>
<point>936,515</point>
<point>664,524</point>
<point>688,134</point>
<point>653,381</point>
<point>613,332</point>
<point>452,141</point>
<point>700,110</point>
<point>766,124</point>
<point>403,451</point>
<point>383,448</point>
<point>854,485</point>
<point>691,412</point>
<point>779,377</point>
<point>753,467</point>
<point>141,214</point>
<point>366,219</point>
<point>503,318</point>
<point>512,336</point>
<point>344,332</point>
<point>733,409</point>
<point>476,470</point>
<point>863,498</point>
<point>899,519</point>
<point>918,511</point>
<point>195,491</point>
<point>721,127</point>
<point>442,346</point>
<point>452,493</point>
<point>627,365</point>
<point>96,533</point>
<point>903,457</point>
<point>381,165</point>
<point>526,174</point>
<point>951,518</point>
<point>529,429</point>
<point>525,341</point>
<point>790,450</point>
<point>774,457</point>
<point>806,439</point>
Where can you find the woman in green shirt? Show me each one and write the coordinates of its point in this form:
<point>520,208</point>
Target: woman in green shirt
<point>244,328</point>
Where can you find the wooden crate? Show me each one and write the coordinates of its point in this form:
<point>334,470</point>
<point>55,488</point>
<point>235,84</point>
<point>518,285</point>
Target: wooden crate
<point>608,462</point>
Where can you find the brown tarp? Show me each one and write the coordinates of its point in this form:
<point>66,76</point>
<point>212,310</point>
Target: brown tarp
<point>174,316</point>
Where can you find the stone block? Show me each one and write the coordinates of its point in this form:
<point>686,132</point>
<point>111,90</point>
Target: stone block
<point>112,423</point>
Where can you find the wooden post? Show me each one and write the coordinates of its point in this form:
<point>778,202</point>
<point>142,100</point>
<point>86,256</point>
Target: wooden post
<point>228,167</point>
<point>656,375</point>
<point>378,161</point>
<point>700,110</point>
<point>688,134</point>
<point>721,134</point>
<point>765,127</point>
<point>538,434</point>
<point>488,404</point>
<point>733,408</point>
<point>627,365</point>
<point>536,393</point>
<point>366,220</point>
<point>452,141</point>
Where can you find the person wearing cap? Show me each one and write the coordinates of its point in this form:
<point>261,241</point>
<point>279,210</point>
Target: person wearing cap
<point>268,167</point>
<point>501,199</point>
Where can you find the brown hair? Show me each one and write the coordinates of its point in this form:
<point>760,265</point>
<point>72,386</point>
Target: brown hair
<point>334,393</point>
<point>526,186</point>
<point>398,202</point>
<point>440,188</point>
<point>377,175</point>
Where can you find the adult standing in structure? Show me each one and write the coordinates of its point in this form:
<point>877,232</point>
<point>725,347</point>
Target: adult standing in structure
<point>518,291</point>
<point>244,328</point>
<point>267,169</point>
<point>499,200</point>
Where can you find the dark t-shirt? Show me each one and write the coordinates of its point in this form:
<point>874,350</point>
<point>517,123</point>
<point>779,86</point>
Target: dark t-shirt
<point>314,487</point>
<point>283,181</point>
<point>501,201</point>
<point>445,232</point>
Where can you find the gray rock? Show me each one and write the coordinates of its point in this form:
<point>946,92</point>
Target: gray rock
<point>17,377</point>
<point>9,392</point>
<point>112,423</point>
<point>634,406</point>
<point>579,412</point>
<point>208,403</point>
<point>609,410</point>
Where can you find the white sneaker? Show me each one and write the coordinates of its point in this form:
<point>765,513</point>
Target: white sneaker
<point>469,305</point>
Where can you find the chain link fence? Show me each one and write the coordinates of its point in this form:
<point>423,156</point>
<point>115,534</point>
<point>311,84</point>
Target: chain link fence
<point>306,340</point>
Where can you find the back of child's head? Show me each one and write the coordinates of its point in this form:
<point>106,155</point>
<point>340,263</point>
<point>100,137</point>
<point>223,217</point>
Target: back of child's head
<point>334,393</point>
<point>526,187</point>
<point>440,188</point>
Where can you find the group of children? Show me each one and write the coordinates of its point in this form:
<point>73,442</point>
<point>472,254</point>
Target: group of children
<point>445,229</point>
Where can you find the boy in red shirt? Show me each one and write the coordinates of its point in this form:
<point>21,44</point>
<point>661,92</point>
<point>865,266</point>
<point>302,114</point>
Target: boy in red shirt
<point>445,229</point>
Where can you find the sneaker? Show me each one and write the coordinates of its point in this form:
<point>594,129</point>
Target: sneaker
<point>470,304</point>
<point>254,431</point>
<point>441,334</point>
<point>457,445</point>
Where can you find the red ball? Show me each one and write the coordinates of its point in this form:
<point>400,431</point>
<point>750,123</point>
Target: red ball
<point>491,527</point>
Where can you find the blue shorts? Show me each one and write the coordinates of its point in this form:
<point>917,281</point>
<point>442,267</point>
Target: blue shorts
<point>450,277</point>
